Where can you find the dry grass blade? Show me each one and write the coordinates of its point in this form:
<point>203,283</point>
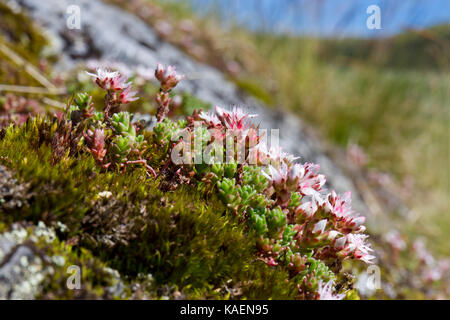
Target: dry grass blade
<point>29,68</point>
<point>32,90</point>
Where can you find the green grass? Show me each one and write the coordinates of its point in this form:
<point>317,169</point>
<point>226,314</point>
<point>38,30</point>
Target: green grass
<point>411,50</point>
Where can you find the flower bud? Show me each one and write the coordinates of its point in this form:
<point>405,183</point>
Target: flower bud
<point>168,78</point>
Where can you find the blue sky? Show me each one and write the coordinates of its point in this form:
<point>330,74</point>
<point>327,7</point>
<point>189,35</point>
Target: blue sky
<point>340,18</point>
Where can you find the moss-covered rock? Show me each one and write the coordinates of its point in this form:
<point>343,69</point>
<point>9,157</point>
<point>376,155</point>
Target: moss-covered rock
<point>35,264</point>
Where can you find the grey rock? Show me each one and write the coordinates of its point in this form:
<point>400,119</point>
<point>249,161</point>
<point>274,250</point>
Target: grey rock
<point>117,287</point>
<point>22,270</point>
<point>20,275</point>
<point>13,194</point>
<point>6,245</point>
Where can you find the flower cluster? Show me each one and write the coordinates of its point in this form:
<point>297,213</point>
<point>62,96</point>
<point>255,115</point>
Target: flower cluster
<point>117,88</point>
<point>108,80</point>
<point>110,135</point>
<point>297,225</point>
<point>168,79</point>
<point>95,140</point>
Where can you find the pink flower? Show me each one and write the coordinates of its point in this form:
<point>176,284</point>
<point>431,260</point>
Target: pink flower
<point>119,83</point>
<point>168,78</point>
<point>271,262</point>
<point>104,77</point>
<point>311,182</point>
<point>96,143</point>
<point>356,245</point>
<point>432,274</point>
<point>276,155</point>
<point>296,177</point>
<point>277,176</point>
<point>210,119</point>
<point>306,210</point>
<point>437,271</point>
<point>367,258</point>
<point>339,243</point>
<point>254,138</point>
<point>108,80</point>
<point>127,96</point>
<point>325,292</point>
<point>288,177</point>
<point>295,173</point>
<point>235,119</point>
<point>340,205</point>
<point>356,155</point>
<point>346,219</point>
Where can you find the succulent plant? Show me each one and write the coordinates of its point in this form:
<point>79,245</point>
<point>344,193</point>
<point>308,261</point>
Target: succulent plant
<point>297,225</point>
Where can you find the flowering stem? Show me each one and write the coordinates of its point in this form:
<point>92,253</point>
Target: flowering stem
<point>163,99</point>
<point>144,163</point>
<point>168,79</point>
<point>107,108</point>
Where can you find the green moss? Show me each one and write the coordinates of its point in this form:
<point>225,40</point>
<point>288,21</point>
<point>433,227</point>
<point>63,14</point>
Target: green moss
<point>184,238</point>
